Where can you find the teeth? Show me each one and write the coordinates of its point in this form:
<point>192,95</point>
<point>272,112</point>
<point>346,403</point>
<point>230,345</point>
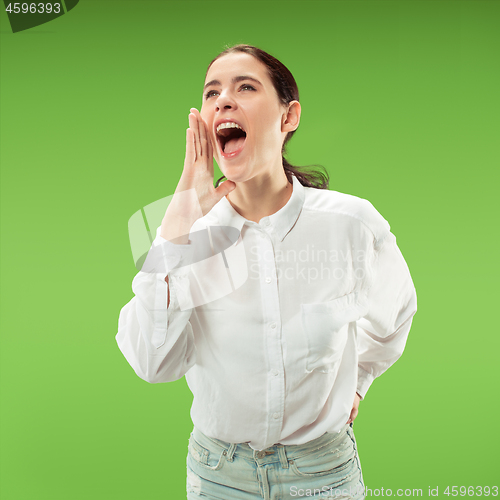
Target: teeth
<point>228,125</point>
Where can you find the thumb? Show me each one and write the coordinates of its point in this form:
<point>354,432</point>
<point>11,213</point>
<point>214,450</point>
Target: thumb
<point>225,188</point>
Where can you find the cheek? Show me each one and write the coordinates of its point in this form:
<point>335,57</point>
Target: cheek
<point>205,115</point>
<point>270,131</point>
<point>206,111</point>
<point>208,118</point>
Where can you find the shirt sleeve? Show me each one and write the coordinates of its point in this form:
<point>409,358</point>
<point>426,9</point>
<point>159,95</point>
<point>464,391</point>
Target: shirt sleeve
<point>392,302</point>
<point>157,340</point>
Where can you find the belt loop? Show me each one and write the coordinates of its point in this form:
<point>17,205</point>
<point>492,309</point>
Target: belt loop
<point>282,455</point>
<point>230,452</point>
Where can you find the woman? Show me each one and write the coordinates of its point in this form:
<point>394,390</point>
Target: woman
<point>280,301</point>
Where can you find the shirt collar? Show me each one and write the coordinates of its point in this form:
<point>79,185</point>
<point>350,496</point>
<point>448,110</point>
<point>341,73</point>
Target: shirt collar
<point>279,223</point>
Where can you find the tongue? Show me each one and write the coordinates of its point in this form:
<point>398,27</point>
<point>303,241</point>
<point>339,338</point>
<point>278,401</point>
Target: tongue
<point>233,144</point>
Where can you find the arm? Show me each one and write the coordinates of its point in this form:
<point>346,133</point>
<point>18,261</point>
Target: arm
<point>154,333</point>
<point>392,302</point>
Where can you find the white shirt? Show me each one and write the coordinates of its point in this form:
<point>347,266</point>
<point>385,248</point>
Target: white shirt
<point>277,332</point>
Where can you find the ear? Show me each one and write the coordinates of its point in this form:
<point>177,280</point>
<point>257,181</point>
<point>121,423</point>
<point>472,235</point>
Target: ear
<point>291,118</point>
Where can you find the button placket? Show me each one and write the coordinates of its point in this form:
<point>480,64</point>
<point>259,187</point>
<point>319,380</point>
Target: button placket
<point>272,320</point>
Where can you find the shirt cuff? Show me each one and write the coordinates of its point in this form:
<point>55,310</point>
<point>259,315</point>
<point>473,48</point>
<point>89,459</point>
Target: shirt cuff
<point>365,379</point>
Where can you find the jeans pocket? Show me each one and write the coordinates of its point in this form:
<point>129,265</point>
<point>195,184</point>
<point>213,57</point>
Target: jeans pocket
<point>211,459</point>
<point>336,460</point>
<point>326,326</point>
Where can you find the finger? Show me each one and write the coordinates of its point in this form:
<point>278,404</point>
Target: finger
<point>196,128</point>
<point>192,125</point>
<point>203,136</point>
<point>354,414</point>
<point>210,156</point>
<point>224,189</point>
<point>190,150</point>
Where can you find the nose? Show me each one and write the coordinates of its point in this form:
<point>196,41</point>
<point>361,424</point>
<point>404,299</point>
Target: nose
<point>224,101</point>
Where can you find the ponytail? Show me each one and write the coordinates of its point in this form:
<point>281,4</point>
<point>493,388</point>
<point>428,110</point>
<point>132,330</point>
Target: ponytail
<point>313,176</point>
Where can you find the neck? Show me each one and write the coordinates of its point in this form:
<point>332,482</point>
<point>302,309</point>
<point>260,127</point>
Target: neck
<point>261,196</point>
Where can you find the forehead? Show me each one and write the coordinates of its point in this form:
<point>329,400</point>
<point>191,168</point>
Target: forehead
<point>236,64</point>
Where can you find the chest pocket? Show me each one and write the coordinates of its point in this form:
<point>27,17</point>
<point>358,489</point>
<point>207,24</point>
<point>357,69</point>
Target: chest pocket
<point>325,325</point>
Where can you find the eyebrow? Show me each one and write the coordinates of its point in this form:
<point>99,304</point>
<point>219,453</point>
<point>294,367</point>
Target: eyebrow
<point>236,79</point>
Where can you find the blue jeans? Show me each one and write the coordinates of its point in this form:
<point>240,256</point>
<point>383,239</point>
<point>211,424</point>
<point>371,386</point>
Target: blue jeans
<point>326,467</point>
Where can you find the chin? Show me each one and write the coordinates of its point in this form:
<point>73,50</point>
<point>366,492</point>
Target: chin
<point>235,173</point>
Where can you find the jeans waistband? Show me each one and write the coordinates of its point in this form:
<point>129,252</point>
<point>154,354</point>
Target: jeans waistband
<point>278,452</point>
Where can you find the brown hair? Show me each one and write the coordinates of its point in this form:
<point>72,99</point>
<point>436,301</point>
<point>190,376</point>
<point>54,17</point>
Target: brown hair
<point>284,83</point>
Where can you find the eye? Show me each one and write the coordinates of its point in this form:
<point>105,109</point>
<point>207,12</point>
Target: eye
<point>210,93</point>
<point>247,86</point>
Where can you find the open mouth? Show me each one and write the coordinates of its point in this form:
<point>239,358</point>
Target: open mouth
<point>231,138</point>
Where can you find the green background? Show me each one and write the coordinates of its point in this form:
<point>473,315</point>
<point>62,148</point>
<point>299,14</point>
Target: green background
<point>399,101</point>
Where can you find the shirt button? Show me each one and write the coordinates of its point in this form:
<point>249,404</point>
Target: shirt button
<point>273,325</point>
<point>262,235</point>
<point>266,222</point>
<point>268,280</point>
<point>276,416</point>
<point>275,373</point>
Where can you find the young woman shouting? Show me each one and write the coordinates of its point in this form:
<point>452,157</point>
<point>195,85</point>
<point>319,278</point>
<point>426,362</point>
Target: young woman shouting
<point>279,300</point>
